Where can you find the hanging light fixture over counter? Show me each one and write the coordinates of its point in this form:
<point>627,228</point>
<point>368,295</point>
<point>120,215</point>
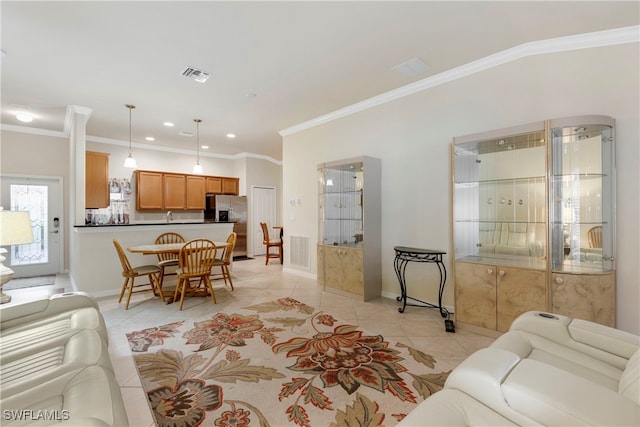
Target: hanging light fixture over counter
<point>197,168</point>
<point>130,162</point>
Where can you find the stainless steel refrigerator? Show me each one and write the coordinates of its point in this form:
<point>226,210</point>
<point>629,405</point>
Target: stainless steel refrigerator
<point>234,209</point>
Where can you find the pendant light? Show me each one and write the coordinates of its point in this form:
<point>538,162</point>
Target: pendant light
<point>130,162</point>
<point>197,168</point>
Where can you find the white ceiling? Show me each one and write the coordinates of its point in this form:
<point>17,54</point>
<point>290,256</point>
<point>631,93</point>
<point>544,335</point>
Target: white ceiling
<point>300,59</point>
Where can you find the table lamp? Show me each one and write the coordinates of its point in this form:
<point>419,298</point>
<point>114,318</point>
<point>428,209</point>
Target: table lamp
<point>15,229</point>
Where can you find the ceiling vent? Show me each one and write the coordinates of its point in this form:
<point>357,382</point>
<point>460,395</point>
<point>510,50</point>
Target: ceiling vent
<point>197,75</point>
<point>411,68</point>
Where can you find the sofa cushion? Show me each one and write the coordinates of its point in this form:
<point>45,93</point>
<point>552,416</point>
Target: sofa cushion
<point>453,408</point>
<point>554,397</point>
<point>535,347</point>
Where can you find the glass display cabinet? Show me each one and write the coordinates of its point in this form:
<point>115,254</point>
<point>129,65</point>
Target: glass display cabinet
<point>533,222</point>
<point>500,225</point>
<point>583,217</point>
<point>349,245</point>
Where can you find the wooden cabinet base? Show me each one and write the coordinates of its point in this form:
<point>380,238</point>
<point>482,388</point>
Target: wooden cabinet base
<point>588,297</point>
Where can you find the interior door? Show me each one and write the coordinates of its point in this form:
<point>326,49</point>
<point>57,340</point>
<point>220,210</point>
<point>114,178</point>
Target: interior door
<point>43,199</point>
<point>263,202</point>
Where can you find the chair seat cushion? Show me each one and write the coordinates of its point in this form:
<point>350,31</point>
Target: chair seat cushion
<point>146,269</point>
<point>168,262</point>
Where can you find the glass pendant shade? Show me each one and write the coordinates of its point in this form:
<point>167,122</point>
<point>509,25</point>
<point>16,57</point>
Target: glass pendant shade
<point>130,162</point>
<point>197,168</point>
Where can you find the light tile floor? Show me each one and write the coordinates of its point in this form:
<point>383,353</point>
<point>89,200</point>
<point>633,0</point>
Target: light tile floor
<point>254,282</point>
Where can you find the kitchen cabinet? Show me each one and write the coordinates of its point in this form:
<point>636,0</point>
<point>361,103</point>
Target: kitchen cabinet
<point>149,190</point>
<point>174,191</point>
<point>349,242</point>
<point>231,186</point>
<point>96,180</point>
<point>213,184</point>
<point>524,201</point>
<point>195,198</point>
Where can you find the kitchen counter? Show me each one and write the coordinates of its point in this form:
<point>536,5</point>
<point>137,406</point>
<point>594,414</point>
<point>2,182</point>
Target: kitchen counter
<point>95,267</point>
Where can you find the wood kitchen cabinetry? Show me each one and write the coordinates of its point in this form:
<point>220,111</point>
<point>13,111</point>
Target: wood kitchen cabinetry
<point>174,188</point>
<point>222,185</point>
<point>349,243</point>
<point>195,192</point>
<point>174,191</point>
<point>149,190</point>
<point>526,200</point>
<point>97,180</point>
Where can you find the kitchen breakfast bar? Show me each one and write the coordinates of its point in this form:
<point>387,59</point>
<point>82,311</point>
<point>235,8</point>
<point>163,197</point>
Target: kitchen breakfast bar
<point>96,267</point>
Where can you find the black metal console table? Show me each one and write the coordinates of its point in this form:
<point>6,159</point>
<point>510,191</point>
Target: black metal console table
<point>405,255</point>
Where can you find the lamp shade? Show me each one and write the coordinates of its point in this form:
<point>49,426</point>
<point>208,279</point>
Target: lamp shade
<point>15,228</point>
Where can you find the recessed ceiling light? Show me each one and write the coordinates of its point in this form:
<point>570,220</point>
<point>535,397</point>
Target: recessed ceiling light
<point>204,147</point>
<point>231,135</point>
<point>185,133</point>
<point>251,95</point>
<point>168,124</point>
<point>24,117</point>
<point>150,138</point>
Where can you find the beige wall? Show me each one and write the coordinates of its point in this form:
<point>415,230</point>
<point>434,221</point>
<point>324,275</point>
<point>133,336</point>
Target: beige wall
<point>412,136</point>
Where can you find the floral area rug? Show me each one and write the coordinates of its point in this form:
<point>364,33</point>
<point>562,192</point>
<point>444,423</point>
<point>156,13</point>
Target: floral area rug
<point>279,363</point>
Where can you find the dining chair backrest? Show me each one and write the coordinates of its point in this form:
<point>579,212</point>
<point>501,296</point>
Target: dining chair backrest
<point>127,269</point>
<point>197,257</point>
<point>228,251</point>
<point>265,232</point>
<point>594,236</point>
<point>169,237</point>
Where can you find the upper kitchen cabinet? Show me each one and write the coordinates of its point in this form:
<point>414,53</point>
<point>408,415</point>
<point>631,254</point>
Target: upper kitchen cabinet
<point>195,192</point>
<point>533,222</point>
<point>175,191</point>
<point>583,217</point>
<point>349,252</point>
<point>222,185</point>
<point>149,190</point>
<point>231,186</point>
<point>97,180</point>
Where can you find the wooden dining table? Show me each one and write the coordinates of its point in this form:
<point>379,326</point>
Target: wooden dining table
<point>165,248</point>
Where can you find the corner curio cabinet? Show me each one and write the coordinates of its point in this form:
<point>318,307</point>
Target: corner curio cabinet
<point>349,227</point>
<point>533,222</point>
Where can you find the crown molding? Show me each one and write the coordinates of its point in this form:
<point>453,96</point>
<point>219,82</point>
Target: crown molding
<point>560,44</point>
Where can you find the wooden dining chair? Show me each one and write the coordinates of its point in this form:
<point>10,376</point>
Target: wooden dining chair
<point>225,260</point>
<point>594,235</point>
<point>168,262</point>
<point>271,243</point>
<point>195,261</point>
<point>130,273</point>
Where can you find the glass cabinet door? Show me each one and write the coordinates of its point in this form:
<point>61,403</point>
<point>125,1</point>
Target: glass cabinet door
<point>341,205</point>
<point>500,198</point>
<point>582,194</point>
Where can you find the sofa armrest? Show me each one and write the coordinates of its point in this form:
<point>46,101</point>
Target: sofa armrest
<point>597,340</point>
<point>14,315</point>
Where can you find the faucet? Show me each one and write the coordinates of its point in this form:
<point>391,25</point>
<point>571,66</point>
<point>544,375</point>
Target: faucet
<point>169,216</point>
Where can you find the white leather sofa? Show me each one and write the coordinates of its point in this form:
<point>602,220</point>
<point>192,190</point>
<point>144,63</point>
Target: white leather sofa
<point>55,366</point>
<point>547,370</point>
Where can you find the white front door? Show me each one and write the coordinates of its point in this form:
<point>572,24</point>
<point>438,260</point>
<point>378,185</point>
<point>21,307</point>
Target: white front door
<point>42,198</point>
<point>263,201</point>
